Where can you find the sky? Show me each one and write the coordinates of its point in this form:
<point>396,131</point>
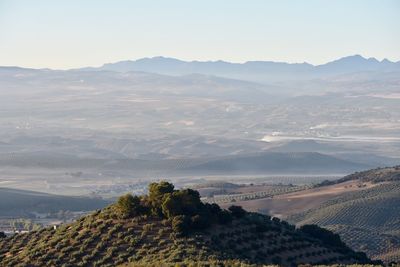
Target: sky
<point>66,34</point>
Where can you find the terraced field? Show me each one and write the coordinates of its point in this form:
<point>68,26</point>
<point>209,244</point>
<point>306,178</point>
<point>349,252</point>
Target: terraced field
<point>287,200</point>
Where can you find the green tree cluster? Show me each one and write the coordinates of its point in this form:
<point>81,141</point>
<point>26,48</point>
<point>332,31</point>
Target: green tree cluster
<point>182,208</point>
<point>322,234</point>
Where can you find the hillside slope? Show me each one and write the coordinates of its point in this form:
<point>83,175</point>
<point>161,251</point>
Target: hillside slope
<point>367,220</point>
<point>375,175</point>
<point>180,230</point>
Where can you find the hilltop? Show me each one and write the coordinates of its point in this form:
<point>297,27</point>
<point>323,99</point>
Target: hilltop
<point>169,227</point>
<point>389,174</point>
<point>378,175</point>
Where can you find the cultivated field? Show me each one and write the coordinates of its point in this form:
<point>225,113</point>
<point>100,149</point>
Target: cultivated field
<point>304,198</point>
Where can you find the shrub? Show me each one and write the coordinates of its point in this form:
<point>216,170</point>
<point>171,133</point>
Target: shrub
<point>147,227</point>
<point>180,224</point>
<point>276,220</point>
<point>199,222</point>
<point>161,232</point>
<point>224,217</point>
<point>129,206</point>
<point>322,234</point>
<point>237,211</point>
<point>158,190</point>
<point>276,260</point>
<point>182,202</point>
<point>261,228</point>
<point>157,193</point>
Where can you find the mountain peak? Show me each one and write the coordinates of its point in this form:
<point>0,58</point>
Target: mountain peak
<point>353,58</point>
<point>355,63</point>
<point>356,56</point>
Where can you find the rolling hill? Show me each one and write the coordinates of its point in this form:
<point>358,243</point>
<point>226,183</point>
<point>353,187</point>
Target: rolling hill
<point>138,231</point>
<point>277,162</point>
<point>389,174</point>
<point>367,220</point>
<point>265,162</point>
<point>19,203</point>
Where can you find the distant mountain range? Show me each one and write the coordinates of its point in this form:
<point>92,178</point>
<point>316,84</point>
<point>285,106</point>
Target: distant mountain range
<point>258,71</point>
<point>253,71</point>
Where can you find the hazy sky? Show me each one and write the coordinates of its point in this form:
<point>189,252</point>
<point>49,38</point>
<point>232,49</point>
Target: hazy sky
<point>74,33</point>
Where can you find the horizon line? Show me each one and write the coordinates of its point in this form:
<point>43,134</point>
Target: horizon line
<point>201,61</point>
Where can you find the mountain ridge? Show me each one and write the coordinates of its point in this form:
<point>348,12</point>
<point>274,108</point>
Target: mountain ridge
<point>260,72</point>
<point>255,71</point>
<point>356,57</point>
<point>148,62</point>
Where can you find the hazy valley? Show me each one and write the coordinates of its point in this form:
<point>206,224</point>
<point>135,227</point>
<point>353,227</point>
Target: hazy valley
<point>274,138</point>
<point>103,124</point>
